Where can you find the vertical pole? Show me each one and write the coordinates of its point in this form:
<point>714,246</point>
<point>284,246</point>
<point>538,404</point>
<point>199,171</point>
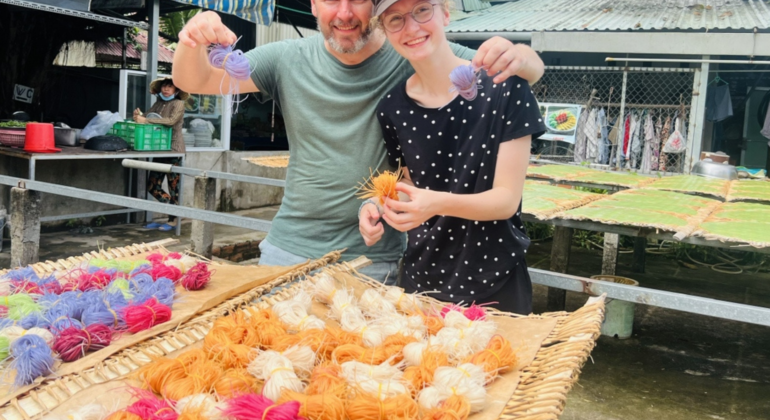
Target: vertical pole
<point>560,250</point>
<point>622,121</point>
<point>203,232</point>
<point>25,227</point>
<point>697,116</point>
<point>178,228</point>
<point>640,254</point>
<point>610,257</point>
<point>153,14</point>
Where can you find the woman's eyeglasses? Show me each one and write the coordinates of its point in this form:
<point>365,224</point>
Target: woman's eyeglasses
<point>421,13</point>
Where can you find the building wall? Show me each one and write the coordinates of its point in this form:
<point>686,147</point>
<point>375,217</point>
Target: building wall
<point>280,31</point>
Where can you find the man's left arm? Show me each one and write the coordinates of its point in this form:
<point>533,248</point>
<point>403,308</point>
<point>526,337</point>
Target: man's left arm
<point>500,57</point>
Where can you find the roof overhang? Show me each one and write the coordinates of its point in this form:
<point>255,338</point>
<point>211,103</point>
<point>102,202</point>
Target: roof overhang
<point>77,8</point>
<point>668,43</point>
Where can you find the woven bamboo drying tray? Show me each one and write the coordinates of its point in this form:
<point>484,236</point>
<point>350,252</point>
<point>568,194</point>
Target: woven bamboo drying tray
<point>51,393</point>
<point>741,223</point>
<point>274,161</point>
<point>692,184</point>
<point>574,173</point>
<point>543,200</point>
<point>541,393</point>
<point>48,267</point>
<point>758,191</point>
<point>664,210</point>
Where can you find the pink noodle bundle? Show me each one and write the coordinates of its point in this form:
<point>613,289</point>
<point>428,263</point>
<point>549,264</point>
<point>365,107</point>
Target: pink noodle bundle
<point>158,258</point>
<point>473,313</point>
<point>3,311</point>
<point>72,343</point>
<point>85,281</point>
<point>197,277</point>
<point>148,407</point>
<point>168,271</point>
<point>146,315</point>
<point>258,407</point>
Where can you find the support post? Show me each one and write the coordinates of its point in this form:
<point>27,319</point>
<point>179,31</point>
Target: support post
<point>562,240</point>
<point>640,254</point>
<point>25,227</point>
<point>610,257</point>
<point>697,116</point>
<point>204,198</point>
<point>153,15</point>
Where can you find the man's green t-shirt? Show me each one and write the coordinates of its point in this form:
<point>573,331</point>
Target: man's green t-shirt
<point>334,140</point>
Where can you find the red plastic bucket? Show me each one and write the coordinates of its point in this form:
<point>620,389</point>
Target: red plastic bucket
<point>40,138</point>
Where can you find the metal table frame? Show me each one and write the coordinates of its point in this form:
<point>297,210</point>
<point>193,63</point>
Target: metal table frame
<point>34,157</point>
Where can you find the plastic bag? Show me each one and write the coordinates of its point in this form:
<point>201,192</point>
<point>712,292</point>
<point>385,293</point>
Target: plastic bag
<point>676,142</point>
<point>100,124</point>
<point>199,125</point>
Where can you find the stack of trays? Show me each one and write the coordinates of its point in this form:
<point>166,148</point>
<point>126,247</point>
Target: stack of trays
<point>203,139</point>
<point>189,139</point>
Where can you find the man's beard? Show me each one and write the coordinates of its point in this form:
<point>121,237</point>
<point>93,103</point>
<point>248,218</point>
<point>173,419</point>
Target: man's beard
<point>357,46</point>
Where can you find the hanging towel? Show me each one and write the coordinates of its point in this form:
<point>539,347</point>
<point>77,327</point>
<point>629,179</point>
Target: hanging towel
<point>655,163</point>
<point>604,142</point>
<point>649,139</point>
<point>583,132</point>
<point>664,137</point>
<point>635,148</point>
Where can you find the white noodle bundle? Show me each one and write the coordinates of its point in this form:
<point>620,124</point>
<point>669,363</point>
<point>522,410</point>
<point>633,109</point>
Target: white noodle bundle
<point>324,289</point>
<point>375,305</point>
<point>403,301</point>
<point>302,359</point>
<point>278,373</point>
<point>86,412</point>
<point>383,381</point>
<point>15,332</point>
<point>210,408</point>
<point>413,353</point>
<point>466,380</point>
<point>294,312</point>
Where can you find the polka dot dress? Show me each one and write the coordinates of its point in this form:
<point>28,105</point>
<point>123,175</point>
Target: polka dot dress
<point>454,149</point>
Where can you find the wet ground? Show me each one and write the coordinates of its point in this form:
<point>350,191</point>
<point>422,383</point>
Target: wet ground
<point>675,366</point>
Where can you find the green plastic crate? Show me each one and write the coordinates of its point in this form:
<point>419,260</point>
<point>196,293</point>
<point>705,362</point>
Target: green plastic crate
<point>143,137</point>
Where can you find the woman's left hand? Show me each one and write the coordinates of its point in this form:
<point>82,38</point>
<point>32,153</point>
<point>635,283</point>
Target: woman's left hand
<point>140,119</point>
<point>407,215</point>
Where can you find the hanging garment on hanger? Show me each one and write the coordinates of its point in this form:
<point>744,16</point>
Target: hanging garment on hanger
<point>655,162</point>
<point>664,137</point>
<point>583,131</point>
<point>719,105</point>
<point>649,139</point>
<point>603,141</point>
<point>637,140</point>
<point>766,126</point>
<point>626,134</point>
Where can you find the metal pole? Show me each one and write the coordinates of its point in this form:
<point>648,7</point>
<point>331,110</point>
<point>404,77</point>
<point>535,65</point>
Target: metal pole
<point>163,167</point>
<point>622,121</point>
<point>697,116</point>
<point>135,203</point>
<point>153,14</point>
<point>659,298</point>
<point>687,60</point>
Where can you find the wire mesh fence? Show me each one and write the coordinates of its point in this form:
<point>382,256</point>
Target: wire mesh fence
<point>633,118</point>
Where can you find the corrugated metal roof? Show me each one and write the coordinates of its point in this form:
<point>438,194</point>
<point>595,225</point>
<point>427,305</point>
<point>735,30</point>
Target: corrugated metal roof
<point>605,15</point>
<point>115,49</point>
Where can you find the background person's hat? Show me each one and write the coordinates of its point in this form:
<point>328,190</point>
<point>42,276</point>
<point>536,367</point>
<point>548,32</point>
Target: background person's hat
<point>381,6</point>
<point>156,84</point>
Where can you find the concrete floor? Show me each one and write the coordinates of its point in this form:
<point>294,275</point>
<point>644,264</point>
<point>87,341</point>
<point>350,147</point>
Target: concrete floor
<point>675,366</point>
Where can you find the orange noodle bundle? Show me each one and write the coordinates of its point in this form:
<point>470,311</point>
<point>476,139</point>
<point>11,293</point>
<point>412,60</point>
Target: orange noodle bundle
<point>433,323</point>
<point>380,186</point>
<point>206,403</point>
<point>327,379</point>
<point>453,408</point>
<point>496,358</point>
<point>364,406</point>
<point>322,342</point>
<point>200,379</point>
<point>159,373</point>
<point>422,375</point>
<point>266,327</point>
<point>235,382</point>
<point>234,326</point>
<point>389,350</point>
<point>229,354</point>
<point>316,407</point>
<point>346,337</point>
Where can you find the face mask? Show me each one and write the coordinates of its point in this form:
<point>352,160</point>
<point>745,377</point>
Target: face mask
<point>166,98</point>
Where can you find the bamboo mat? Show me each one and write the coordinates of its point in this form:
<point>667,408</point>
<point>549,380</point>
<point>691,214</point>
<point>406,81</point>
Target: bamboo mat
<point>273,161</point>
<point>574,173</point>
<point>664,210</point>
<point>541,393</point>
<point>692,184</point>
<point>741,223</point>
<point>543,200</point>
<point>749,190</point>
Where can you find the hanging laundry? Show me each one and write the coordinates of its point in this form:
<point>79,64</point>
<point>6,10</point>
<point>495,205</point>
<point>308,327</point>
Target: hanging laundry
<point>626,134</point>
<point>635,149</point>
<point>663,137</point>
<point>583,132</point>
<point>649,139</point>
<point>766,126</point>
<point>604,142</point>
<point>655,163</point>
<point>719,105</point>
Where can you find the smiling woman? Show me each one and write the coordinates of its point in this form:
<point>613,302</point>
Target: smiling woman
<point>464,160</point>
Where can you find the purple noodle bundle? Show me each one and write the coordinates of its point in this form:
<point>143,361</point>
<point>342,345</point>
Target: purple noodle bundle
<point>464,81</point>
<point>235,64</point>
